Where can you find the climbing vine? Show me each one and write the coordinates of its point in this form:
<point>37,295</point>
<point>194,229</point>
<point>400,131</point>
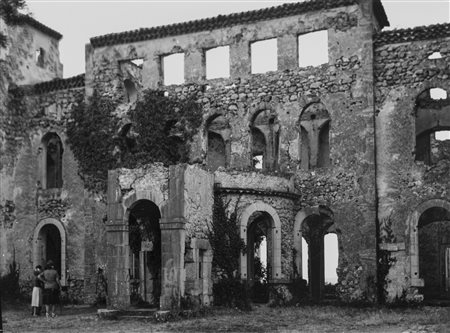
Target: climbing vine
<point>160,130</point>
<point>227,246</point>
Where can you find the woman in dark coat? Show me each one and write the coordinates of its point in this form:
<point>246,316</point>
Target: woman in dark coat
<point>50,278</point>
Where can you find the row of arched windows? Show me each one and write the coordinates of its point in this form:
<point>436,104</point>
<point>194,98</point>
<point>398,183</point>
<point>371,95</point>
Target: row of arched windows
<point>264,133</point>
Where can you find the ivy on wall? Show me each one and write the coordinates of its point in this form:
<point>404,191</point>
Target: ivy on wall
<point>161,130</point>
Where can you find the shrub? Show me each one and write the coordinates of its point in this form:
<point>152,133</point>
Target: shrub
<point>232,292</point>
<point>9,283</point>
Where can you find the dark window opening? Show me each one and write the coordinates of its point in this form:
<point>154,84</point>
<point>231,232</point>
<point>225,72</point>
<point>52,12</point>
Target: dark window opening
<point>40,57</point>
<point>130,90</point>
<point>53,160</point>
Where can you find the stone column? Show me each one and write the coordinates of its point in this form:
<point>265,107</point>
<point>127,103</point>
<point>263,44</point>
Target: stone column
<point>173,235</point>
<point>117,248</point>
<point>287,52</point>
<point>240,59</point>
<point>194,65</point>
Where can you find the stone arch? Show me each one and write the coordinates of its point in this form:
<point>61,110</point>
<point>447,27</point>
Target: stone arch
<point>413,223</point>
<point>52,150</point>
<point>323,220</point>
<point>37,242</point>
<point>260,206</point>
<point>217,134</point>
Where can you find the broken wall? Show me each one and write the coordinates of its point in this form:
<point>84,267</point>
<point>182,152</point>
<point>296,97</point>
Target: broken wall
<point>402,72</point>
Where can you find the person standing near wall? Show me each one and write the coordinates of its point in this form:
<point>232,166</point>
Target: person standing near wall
<point>36,297</point>
<point>52,285</point>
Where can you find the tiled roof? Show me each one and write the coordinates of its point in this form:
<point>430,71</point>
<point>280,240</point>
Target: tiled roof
<point>222,21</point>
<point>58,84</point>
<point>412,34</point>
<point>26,19</point>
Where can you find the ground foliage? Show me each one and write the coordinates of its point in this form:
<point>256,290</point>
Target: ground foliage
<point>9,12</point>
<point>161,130</point>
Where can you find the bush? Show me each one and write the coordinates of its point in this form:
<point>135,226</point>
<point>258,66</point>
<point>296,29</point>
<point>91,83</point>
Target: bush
<point>9,283</point>
<point>232,292</point>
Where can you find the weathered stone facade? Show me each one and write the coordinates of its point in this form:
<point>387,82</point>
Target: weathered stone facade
<point>337,144</point>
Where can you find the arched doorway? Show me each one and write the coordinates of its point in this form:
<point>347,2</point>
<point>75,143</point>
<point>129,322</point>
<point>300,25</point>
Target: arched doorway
<point>145,253</point>
<point>259,250</point>
<point>313,229</point>
<point>50,244</point>
<point>434,252</point>
<point>260,228</point>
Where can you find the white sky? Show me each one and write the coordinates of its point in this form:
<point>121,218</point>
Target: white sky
<point>78,20</point>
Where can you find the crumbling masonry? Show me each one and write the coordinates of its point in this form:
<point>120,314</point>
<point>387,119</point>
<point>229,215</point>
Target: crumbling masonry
<point>352,147</point>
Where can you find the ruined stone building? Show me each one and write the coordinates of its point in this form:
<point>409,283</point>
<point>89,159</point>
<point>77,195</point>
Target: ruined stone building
<point>354,145</point>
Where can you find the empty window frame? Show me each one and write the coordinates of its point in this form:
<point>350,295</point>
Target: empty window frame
<point>264,56</point>
<point>442,135</point>
<point>217,62</point>
<point>173,69</point>
<point>313,48</point>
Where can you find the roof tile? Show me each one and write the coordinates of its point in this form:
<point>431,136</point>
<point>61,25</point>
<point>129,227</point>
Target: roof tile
<point>221,21</point>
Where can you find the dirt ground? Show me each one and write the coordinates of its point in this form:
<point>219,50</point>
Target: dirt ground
<point>260,319</point>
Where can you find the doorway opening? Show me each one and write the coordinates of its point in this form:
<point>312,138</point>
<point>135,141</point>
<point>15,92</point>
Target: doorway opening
<point>259,254</point>
<point>434,253</point>
<point>145,254</point>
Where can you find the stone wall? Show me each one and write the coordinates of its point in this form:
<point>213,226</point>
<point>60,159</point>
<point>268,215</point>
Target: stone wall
<point>402,72</point>
<point>347,187</point>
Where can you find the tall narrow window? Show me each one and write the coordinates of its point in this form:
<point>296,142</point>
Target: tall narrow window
<point>39,57</point>
<point>265,140</point>
<point>264,56</point>
<point>218,134</point>
<point>313,48</point>
<point>217,62</point>
<point>173,69</point>
<point>314,137</point>
<point>53,160</point>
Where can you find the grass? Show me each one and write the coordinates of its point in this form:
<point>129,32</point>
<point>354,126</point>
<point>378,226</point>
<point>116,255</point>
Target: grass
<point>306,318</point>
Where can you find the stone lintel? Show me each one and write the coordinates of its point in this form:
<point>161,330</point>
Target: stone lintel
<point>393,247</point>
<point>173,223</point>
<point>116,227</point>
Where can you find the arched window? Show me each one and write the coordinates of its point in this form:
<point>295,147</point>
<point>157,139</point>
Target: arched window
<point>218,135</point>
<point>432,125</point>
<point>264,131</point>
<point>53,152</point>
<point>314,137</point>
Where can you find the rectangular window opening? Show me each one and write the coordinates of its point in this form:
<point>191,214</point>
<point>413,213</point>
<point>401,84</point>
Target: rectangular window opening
<point>173,69</point>
<point>201,255</point>
<point>442,135</point>
<point>313,48</point>
<point>218,62</point>
<point>264,57</point>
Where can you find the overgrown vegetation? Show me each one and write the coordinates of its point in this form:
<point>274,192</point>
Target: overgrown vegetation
<point>161,130</point>
<point>9,11</point>
<point>9,283</point>
<point>227,246</point>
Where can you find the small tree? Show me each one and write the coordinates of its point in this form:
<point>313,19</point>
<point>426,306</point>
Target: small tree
<point>227,246</point>
<point>9,12</point>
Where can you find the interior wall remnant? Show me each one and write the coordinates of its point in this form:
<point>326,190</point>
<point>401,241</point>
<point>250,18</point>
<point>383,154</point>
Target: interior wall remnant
<point>432,116</point>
